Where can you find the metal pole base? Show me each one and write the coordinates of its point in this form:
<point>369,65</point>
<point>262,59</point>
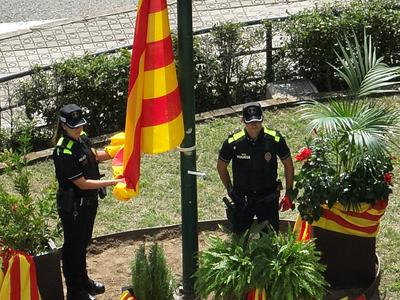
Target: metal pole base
<point>181,294</point>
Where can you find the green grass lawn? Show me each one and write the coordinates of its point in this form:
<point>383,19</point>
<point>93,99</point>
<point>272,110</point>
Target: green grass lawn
<point>159,201</point>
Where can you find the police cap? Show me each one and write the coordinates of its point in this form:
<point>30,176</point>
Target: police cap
<point>252,112</point>
<point>71,115</point>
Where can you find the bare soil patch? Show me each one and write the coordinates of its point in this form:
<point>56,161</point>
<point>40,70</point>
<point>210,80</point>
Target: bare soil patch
<point>109,260</point>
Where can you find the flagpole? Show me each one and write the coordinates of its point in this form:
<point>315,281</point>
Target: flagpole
<point>188,152</point>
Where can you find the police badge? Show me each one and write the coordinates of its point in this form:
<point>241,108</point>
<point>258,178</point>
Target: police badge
<point>268,156</point>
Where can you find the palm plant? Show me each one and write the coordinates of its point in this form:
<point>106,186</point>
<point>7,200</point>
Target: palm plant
<point>362,71</point>
<point>350,161</point>
<point>350,158</point>
<point>353,130</point>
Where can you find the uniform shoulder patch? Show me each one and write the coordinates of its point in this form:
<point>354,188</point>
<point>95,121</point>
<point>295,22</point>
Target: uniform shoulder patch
<point>236,135</point>
<point>236,130</point>
<point>272,134</point>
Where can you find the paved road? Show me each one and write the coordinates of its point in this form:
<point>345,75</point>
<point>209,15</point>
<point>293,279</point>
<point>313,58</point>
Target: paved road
<point>80,26</point>
<point>107,28</point>
<point>88,26</point>
<point>33,10</point>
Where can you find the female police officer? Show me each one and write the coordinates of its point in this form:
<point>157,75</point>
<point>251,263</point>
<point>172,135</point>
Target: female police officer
<point>76,166</point>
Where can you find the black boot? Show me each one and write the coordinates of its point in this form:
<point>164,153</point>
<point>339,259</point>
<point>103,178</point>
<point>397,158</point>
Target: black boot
<point>94,287</point>
<point>79,295</point>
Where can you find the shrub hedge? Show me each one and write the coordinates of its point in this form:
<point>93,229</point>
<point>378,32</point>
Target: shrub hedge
<point>227,72</point>
<point>98,84</point>
<point>311,37</point>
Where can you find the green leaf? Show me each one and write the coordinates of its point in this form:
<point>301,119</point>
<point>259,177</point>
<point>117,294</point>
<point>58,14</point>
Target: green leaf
<point>363,73</point>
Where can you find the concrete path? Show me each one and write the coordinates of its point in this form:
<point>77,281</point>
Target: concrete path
<point>28,10</point>
<point>43,44</point>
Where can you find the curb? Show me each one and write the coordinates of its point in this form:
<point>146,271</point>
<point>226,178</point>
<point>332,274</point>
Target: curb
<point>143,233</point>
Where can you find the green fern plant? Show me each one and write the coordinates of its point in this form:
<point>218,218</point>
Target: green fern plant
<point>362,71</point>
<point>292,271</point>
<point>225,268</point>
<point>151,277</point>
<point>232,267</point>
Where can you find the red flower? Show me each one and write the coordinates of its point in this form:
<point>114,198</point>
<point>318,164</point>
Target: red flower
<point>305,153</point>
<point>388,177</point>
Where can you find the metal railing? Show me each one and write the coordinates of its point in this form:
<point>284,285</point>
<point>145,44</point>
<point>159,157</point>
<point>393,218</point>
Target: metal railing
<point>9,106</point>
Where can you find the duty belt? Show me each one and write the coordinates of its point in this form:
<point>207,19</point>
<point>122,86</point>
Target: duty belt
<point>251,199</point>
<point>68,197</point>
<point>87,201</point>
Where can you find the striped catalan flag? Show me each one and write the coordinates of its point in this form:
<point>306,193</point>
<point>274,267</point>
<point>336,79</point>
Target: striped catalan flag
<point>154,121</point>
<point>18,279</point>
<point>257,294</point>
<point>126,295</point>
<point>2,268</point>
<point>302,230</point>
<point>364,222</point>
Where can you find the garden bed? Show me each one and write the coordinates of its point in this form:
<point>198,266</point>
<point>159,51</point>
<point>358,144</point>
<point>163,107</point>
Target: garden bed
<point>110,256</point>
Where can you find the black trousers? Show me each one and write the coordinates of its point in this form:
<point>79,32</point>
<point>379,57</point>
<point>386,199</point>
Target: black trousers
<point>242,216</point>
<point>77,235</point>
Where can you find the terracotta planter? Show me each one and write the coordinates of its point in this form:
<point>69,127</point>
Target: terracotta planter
<point>48,273</point>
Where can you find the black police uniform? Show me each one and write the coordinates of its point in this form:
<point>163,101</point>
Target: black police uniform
<point>77,208</point>
<point>254,168</point>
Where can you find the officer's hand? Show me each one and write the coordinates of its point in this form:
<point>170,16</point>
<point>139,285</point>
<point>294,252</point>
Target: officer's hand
<point>285,204</point>
<point>115,181</point>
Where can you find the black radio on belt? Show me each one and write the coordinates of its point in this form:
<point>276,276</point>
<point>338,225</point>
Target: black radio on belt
<point>102,192</point>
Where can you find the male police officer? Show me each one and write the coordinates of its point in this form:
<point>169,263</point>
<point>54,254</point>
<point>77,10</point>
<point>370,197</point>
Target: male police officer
<point>77,172</point>
<point>255,189</point>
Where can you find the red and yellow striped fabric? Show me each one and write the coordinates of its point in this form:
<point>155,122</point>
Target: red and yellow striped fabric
<point>257,294</point>
<point>364,222</point>
<point>154,121</point>
<point>126,295</point>
<point>2,269</point>
<point>18,277</point>
<point>302,229</point>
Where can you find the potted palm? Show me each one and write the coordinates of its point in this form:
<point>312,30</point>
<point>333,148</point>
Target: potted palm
<point>28,224</point>
<point>275,264</point>
<point>344,184</point>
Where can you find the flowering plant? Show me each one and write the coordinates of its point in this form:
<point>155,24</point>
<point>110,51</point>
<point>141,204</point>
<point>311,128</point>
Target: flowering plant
<point>320,183</point>
<point>348,161</point>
